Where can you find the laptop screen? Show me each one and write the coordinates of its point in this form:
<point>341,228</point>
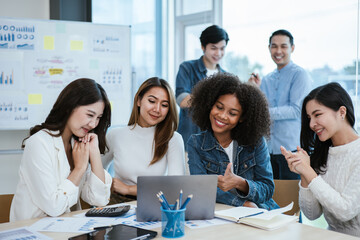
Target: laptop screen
<point>202,187</point>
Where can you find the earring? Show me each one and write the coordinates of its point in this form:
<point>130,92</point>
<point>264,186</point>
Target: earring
<point>342,117</point>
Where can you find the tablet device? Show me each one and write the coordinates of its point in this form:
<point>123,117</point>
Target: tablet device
<point>121,231</point>
<point>201,206</point>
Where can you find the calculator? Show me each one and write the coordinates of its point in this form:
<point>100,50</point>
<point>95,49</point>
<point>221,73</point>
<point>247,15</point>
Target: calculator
<point>108,212</point>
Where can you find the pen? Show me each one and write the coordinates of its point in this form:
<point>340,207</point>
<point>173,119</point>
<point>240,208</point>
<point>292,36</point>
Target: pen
<point>186,201</point>
<point>250,215</point>
<point>141,237</point>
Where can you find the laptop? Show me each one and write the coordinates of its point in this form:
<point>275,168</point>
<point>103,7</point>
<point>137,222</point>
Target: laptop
<point>201,206</point>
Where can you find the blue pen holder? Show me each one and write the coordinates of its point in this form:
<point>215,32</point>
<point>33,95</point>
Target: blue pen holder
<point>173,223</point>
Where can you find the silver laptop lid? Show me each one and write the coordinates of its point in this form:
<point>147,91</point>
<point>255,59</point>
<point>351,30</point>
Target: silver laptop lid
<point>201,206</point>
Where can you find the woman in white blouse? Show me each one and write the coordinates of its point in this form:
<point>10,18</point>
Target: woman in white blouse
<point>61,160</point>
<point>149,144</point>
<point>329,160</point>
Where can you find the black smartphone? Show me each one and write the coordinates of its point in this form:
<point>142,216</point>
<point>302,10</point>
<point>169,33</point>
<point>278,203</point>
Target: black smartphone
<point>121,231</point>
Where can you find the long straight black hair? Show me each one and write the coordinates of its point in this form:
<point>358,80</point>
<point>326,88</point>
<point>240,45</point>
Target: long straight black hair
<point>333,96</point>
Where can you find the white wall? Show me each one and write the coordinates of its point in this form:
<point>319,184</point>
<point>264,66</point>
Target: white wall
<point>36,9</point>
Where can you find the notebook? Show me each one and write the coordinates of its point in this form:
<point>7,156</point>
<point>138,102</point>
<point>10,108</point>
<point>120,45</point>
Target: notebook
<point>201,206</point>
<point>257,217</point>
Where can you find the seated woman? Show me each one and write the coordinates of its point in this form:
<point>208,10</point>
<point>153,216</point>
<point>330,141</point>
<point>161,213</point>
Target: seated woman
<point>54,169</point>
<point>235,118</point>
<point>149,144</point>
<point>329,160</point>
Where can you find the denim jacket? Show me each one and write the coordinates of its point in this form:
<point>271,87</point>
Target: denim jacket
<point>206,156</point>
<point>189,74</point>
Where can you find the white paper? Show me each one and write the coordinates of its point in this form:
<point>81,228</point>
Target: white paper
<point>22,233</point>
<point>270,214</point>
<point>193,224</point>
<point>67,224</point>
<point>128,218</point>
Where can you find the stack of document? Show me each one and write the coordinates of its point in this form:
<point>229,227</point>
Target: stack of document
<point>257,217</point>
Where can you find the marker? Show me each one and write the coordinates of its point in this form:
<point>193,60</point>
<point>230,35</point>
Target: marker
<point>253,75</point>
<point>186,201</point>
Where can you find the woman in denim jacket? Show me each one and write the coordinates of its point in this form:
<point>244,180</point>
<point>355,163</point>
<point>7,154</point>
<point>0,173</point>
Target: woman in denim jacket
<point>235,118</point>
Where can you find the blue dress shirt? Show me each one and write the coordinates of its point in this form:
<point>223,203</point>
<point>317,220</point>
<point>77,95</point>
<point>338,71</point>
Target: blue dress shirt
<point>285,90</point>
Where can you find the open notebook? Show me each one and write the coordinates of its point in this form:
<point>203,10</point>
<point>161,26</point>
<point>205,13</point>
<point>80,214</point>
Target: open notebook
<point>257,217</point>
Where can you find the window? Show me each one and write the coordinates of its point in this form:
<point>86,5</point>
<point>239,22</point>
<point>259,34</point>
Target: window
<point>145,17</point>
<point>324,37</point>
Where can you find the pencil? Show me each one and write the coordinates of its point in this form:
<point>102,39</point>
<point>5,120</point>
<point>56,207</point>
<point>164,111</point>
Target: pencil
<point>186,201</point>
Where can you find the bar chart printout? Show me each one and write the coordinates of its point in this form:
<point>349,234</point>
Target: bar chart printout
<point>6,78</point>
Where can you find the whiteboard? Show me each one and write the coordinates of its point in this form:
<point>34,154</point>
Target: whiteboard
<point>38,58</point>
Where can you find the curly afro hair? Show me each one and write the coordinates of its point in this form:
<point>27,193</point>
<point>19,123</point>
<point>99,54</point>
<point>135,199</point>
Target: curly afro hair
<point>255,118</point>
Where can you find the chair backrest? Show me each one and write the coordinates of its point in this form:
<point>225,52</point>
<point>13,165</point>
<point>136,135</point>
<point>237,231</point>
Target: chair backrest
<point>287,191</point>
<point>5,203</point>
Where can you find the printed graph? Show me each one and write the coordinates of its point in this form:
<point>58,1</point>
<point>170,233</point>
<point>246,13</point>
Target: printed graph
<point>7,79</point>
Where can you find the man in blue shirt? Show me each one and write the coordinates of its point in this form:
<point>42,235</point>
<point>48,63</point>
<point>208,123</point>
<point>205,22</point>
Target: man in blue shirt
<point>285,89</point>
<point>213,43</point>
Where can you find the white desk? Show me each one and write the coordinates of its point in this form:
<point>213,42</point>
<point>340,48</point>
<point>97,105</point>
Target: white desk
<point>293,231</point>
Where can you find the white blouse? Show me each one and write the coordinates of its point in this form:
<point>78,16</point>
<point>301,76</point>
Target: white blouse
<point>43,188</point>
<point>132,151</point>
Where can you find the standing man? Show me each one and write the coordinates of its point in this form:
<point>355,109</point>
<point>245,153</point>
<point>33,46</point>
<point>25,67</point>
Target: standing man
<point>285,89</point>
<point>213,43</point>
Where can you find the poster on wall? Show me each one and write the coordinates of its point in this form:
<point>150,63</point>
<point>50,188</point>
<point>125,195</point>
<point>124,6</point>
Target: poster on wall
<point>38,58</point>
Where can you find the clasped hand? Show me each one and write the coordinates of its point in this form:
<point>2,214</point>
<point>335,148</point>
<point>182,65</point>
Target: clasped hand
<point>84,149</point>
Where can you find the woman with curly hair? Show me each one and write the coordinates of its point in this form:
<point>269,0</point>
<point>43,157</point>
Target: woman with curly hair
<point>234,118</point>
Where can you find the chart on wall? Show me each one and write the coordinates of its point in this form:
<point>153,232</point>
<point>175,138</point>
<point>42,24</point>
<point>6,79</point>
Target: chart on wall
<point>38,58</point>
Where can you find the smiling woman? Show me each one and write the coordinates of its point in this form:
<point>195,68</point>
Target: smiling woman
<point>234,118</point>
<point>328,161</point>
<point>149,145</point>
<point>55,169</point>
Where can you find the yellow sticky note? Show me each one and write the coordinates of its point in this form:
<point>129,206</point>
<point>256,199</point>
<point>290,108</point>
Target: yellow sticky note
<point>76,45</point>
<point>111,105</point>
<point>49,42</point>
<point>35,99</point>
<point>54,71</point>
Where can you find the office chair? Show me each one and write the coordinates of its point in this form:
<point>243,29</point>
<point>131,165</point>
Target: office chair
<point>5,203</point>
<point>287,191</point>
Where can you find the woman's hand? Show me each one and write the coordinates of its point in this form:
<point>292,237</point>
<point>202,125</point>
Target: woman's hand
<point>93,141</point>
<point>119,187</point>
<point>94,154</point>
<point>80,154</point>
<point>299,162</point>
<point>230,181</point>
